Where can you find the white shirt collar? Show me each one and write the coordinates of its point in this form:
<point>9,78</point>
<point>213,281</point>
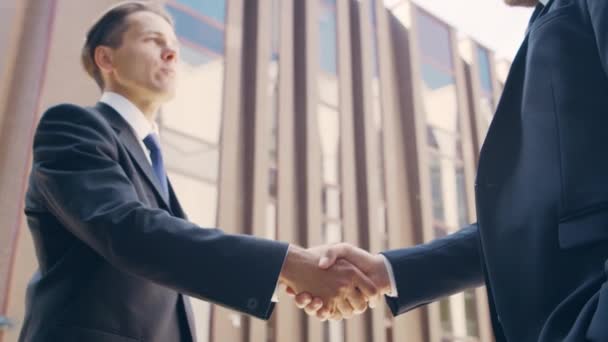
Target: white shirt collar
<point>544,2</point>
<point>135,118</point>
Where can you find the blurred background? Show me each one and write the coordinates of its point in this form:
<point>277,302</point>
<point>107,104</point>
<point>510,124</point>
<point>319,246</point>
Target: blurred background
<point>308,121</point>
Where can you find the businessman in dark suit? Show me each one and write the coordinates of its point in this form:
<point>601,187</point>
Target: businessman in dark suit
<point>115,251</point>
<point>541,241</point>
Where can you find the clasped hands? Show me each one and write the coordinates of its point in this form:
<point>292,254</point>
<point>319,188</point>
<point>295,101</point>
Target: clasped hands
<point>334,281</point>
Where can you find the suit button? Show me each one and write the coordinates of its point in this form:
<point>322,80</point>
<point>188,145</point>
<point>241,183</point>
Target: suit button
<point>252,304</point>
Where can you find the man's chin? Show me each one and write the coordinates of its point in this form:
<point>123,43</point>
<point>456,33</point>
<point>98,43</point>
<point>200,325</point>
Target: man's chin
<point>165,95</point>
<point>521,3</point>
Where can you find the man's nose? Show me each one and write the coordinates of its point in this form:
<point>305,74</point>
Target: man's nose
<point>169,55</point>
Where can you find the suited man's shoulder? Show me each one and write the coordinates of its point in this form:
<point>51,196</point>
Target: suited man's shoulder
<point>68,109</point>
<point>64,124</point>
<point>72,114</point>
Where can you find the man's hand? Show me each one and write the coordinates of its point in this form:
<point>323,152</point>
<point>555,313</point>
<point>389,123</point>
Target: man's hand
<point>341,287</point>
<point>371,265</point>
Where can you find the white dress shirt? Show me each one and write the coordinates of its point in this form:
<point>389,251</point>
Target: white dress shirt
<point>137,121</point>
<point>543,2</point>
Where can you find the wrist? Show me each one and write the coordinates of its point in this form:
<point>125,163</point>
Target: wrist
<point>295,258</point>
<point>380,275</point>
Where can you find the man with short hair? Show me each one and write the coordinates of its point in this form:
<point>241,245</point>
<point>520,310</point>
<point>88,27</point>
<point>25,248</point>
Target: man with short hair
<point>115,250</point>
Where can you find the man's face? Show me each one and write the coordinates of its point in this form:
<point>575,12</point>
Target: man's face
<point>145,64</point>
<point>522,3</point>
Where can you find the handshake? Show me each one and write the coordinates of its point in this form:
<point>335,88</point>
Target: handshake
<point>334,281</point>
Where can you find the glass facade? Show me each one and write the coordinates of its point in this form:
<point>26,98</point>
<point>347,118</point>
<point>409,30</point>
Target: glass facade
<point>207,117</point>
<point>444,145</point>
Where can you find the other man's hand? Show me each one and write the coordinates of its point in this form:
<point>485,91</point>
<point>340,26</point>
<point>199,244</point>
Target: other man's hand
<point>340,286</point>
<point>371,265</point>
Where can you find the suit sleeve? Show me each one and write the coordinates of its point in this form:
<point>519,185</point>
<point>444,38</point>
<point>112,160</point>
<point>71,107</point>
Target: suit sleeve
<point>440,268</point>
<point>76,170</point>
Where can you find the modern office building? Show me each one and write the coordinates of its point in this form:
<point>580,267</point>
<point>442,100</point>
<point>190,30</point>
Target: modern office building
<point>308,121</point>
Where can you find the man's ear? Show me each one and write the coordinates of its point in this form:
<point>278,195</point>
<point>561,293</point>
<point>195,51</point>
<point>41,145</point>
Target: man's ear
<point>104,58</point>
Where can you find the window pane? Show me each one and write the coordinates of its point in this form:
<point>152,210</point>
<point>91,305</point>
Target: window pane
<point>197,30</point>
<point>332,203</point>
<point>276,29</point>
<point>383,225</point>
<point>471,313</point>
<point>333,232</point>
<point>437,189</point>
<point>440,99</point>
<point>328,90</point>
<point>329,132</point>
<point>449,194</point>
<point>374,25</point>
<point>440,230</point>
<point>215,9</point>
<point>445,315</point>
<point>271,220</point>
<point>190,155</point>
<point>436,77</point>
<point>196,109</point>
<point>327,37</point>
<point>434,40</point>
<point>463,206</point>
<point>198,198</point>
<point>445,142</point>
<point>272,183</point>
<point>485,78</point>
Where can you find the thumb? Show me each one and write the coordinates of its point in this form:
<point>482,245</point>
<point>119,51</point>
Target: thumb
<point>327,261</point>
<point>330,255</point>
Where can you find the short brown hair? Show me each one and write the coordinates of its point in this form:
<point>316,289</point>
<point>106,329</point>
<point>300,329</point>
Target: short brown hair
<point>109,29</point>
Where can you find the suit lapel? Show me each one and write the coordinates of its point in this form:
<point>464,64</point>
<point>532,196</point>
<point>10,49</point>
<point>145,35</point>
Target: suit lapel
<point>506,113</point>
<point>513,84</point>
<point>538,11</point>
<point>503,135</point>
<point>127,137</point>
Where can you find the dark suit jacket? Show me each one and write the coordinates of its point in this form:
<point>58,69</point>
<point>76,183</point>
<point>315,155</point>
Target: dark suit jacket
<point>115,257</point>
<point>541,241</point>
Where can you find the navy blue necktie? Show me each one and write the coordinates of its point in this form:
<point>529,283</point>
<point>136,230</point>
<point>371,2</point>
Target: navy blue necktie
<point>153,144</point>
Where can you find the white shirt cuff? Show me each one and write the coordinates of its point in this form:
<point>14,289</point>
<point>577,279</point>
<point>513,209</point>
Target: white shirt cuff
<point>275,295</point>
<point>391,276</point>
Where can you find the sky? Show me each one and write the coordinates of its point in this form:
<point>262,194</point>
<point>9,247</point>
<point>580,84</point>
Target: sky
<point>491,22</point>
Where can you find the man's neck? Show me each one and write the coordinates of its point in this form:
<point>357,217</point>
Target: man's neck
<point>148,107</point>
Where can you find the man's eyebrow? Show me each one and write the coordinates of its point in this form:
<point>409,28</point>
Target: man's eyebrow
<point>160,34</point>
